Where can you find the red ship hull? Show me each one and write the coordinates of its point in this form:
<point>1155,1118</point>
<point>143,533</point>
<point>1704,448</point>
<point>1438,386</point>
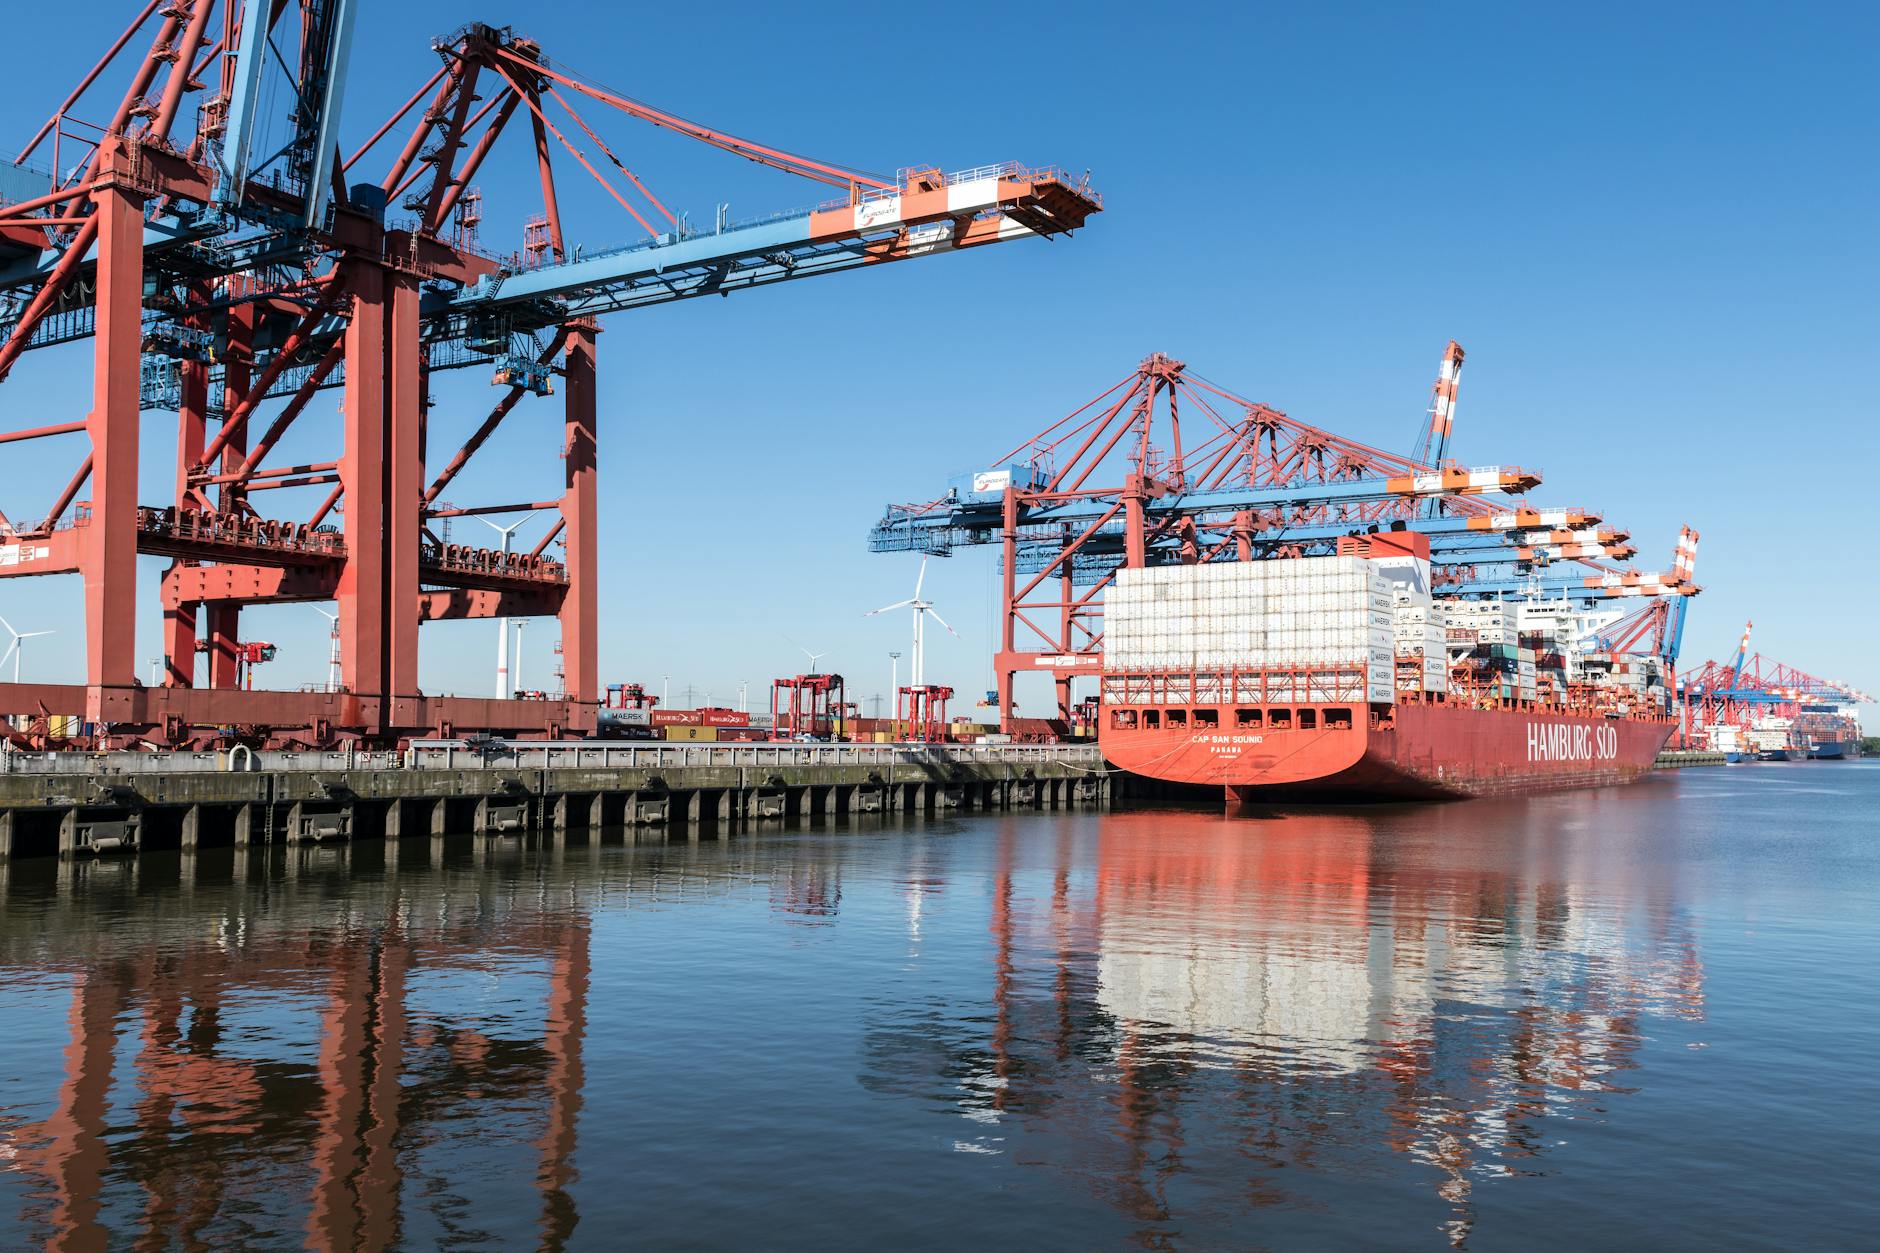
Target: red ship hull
<point>1421,751</point>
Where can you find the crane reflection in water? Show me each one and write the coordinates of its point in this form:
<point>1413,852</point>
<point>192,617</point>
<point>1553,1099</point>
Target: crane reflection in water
<point>1175,1018</point>
<point>283,1062</point>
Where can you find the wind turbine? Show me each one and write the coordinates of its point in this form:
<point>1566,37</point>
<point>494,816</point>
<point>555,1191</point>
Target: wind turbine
<point>922,609</point>
<point>813,657</point>
<point>505,686</point>
<point>332,652</point>
<point>15,648</point>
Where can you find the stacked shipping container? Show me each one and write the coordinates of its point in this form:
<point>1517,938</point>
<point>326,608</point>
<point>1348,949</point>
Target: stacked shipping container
<point>1312,613</point>
<point>1422,649</point>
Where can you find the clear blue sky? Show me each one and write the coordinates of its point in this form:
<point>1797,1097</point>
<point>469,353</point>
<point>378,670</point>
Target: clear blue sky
<point>1651,227</point>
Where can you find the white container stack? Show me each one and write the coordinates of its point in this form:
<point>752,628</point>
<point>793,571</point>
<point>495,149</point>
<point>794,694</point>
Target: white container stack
<point>1480,621</point>
<point>1417,633</point>
<point>1276,615</point>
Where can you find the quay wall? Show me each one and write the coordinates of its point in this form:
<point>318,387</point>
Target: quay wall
<point>1679,758</point>
<point>82,804</point>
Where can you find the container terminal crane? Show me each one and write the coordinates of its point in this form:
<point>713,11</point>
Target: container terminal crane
<point>1754,708</point>
<point>1272,606</point>
<point>228,261</point>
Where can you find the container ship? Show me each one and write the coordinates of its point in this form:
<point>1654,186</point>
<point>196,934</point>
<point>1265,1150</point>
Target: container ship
<point>1344,678</point>
<point>1775,738</point>
<point>1829,732</point>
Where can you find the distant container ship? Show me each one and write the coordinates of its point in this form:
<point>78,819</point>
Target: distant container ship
<point>1776,738</point>
<point>1344,678</point>
<point>1830,732</point>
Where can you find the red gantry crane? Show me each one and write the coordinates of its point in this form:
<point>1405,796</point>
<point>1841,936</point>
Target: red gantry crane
<point>228,260</point>
<point>1731,697</point>
<point>1167,467</point>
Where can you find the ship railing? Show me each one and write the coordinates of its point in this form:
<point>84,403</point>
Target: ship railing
<point>1266,685</point>
<point>1463,698</point>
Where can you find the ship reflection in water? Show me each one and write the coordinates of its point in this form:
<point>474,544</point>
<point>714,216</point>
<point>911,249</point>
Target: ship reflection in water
<point>1202,1011</point>
<point>1160,1029</point>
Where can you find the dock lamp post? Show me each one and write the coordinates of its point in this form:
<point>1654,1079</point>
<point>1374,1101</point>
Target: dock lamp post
<point>894,690</point>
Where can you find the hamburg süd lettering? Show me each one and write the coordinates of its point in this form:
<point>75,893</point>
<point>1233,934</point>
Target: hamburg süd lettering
<point>1566,741</point>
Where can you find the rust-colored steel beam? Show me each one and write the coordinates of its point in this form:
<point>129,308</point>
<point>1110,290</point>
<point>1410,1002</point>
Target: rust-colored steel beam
<point>64,428</point>
<point>361,593</point>
<point>237,419</point>
<point>392,121</point>
<point>238,372</point>
<point>326,506</point>
<point>471,125</point>
<point>21,212</point>
<point>776,158</point>
<point>580,612</point>
<point>426,122</point>
<point>222,621</point>
<point>278,472</point>
<point>109,546</point>
<point>404,482</point>
<point>84,85</point>
<point>474,160</point>
<point>607,152</point>
<point>545,169</point>
<point>296,404</point>
<point>305,480</point>
<point>542,118</point>
<point>47,295</point>
<point>445,160</point>
<point>475,511</point>
<point>75,252</point>
<point>490,423</point>
<point>542,544</point>
<point>180,626</point>
<point>182,66</point>
<point>70,493</point>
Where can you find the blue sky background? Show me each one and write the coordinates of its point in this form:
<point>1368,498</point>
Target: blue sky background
<point>1651,227</point>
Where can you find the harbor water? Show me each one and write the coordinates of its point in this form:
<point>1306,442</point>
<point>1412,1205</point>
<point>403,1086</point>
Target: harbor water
<point>1645,1017</point>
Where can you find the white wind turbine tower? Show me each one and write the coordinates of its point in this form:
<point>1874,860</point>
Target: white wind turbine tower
<point>922,609</point>
<point>332,652</point>
<point>505,687</point>
<point>15,649</point>
<point>813,657</point>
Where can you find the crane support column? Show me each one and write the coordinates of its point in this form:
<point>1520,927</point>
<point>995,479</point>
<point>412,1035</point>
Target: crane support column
<point>179,620</point>
<point>404,495</point>
<point>1067,620</point>
<point>108,549</point>
<point>223,617</point>
<point>361,593</point>
<point>1243,535</point>
<point>238,368</point>
<point>1135,543</point>
<point>1008,636</point>
<point>580,609</point>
